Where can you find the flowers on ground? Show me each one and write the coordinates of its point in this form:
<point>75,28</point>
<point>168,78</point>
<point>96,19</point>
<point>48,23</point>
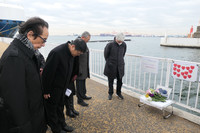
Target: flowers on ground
<point>158,95</point>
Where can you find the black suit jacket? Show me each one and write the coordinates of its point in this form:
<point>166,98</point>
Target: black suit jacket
<point>58,69</point>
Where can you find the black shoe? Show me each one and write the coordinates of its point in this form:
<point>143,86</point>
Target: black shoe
<point>87,97</point>
<point>71,114</point>
<point>83,103</point>
<point>109,97</point>
<point>120,96</point>
<point>75,112</point>
<point>67,128</point>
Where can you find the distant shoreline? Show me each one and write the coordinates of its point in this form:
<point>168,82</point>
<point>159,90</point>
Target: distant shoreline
<point>181,36</point>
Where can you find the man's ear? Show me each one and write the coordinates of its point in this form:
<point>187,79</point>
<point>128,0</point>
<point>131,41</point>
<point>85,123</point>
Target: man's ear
<point>73,47</point>
<point>30,35</point>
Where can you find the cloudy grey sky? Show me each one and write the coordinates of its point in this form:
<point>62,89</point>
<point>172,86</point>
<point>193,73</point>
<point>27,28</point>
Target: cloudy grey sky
<point>65,17</point>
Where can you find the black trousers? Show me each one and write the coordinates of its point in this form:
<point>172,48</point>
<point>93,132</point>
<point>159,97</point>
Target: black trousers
<point>81,90</point>
<point>54,110</point>
<point>69,99</point>
<point>119,85</point>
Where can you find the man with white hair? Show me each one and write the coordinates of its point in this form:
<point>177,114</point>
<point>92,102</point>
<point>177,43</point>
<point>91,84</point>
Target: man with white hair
<point>114,55</point>
<point>83,74</point>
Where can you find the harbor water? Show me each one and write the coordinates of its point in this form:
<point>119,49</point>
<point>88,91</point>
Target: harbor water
<point>146,46</point>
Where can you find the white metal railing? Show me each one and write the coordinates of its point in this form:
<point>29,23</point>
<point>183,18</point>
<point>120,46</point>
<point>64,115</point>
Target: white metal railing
<point>184,93</point>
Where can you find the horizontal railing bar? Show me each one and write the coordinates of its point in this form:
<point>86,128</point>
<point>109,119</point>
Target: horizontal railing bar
<point>152,57</point>
<point>187,107</point>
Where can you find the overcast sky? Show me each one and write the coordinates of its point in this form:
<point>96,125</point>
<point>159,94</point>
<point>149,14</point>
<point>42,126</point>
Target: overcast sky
<point>65,17</point>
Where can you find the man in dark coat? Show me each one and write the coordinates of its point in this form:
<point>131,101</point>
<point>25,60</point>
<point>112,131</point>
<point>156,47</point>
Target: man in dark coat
<point>84,73</point>
<point>56,77</point>
<point>20,83</point>
<point>114,68</point>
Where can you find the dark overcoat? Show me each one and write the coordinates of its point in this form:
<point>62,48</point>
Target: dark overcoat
<point>58,69</point>
<point>84,71</point>
<point>56,77</point>
<point>21,89</point>
<point>114,56</point>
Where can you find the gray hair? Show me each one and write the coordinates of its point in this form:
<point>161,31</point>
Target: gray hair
<point>85,34</point>
<point>120,37</point>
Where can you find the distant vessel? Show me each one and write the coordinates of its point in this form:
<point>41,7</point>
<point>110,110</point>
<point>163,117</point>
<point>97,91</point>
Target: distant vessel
<point>192,41</point>
<point>10,17</point>
<point>127,34</point>
<point>106,34</point>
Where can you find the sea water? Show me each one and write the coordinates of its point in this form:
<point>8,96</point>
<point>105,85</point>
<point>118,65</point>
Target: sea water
<point>147,46</point>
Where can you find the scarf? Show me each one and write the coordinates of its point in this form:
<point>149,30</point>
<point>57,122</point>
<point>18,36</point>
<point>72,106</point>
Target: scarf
<point>28,44</point>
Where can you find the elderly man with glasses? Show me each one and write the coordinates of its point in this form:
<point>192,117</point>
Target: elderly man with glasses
<point>20,84</point>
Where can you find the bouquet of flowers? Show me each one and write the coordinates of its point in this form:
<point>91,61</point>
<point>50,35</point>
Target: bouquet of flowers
<point>158,95</point>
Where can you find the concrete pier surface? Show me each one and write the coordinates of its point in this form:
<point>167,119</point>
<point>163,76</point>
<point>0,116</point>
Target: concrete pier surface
<point>123,116</point>
<point>3,47</point>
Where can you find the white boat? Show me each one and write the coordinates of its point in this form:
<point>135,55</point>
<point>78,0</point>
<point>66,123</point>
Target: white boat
<point>180,42</point>
<point>189,42</point>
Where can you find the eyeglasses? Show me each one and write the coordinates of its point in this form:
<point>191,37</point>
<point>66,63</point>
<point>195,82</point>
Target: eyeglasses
<point>44,40</point>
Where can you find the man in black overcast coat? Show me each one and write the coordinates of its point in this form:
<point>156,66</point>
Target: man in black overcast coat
<point>56,77</point>
<point>114,53</point>
<point>20,83</point>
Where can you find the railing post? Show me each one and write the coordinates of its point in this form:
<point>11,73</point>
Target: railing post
<point>168,73</point>
<point>90,60</point>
